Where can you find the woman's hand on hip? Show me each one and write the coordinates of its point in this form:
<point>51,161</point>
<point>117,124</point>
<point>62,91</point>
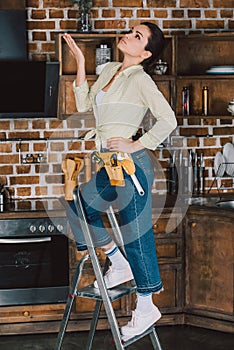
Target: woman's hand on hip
<point>121,144</point>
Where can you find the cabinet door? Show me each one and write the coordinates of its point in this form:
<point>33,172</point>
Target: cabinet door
<point>169,246</point>
<point>209,264</point>
<point>194,56</point>
<point>170,300</point>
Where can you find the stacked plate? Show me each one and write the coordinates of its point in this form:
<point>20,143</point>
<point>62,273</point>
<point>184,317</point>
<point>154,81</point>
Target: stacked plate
<point>224,161</point>
<point>219,164</point>
<point>221,70</point>
<point>228,153</point>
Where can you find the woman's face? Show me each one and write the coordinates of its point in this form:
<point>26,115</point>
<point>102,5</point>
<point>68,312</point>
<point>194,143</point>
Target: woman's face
<point>134,42</point>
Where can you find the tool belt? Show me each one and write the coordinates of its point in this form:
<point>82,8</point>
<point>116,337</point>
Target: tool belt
<point>114,163</point>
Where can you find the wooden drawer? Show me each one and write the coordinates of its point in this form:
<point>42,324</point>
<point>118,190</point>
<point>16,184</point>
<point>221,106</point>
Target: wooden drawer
<point>31,313</point>
<point>166,225</point>
<point>169,249</point>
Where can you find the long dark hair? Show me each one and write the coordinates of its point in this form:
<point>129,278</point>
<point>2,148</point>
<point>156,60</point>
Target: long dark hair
<point>155,45</point>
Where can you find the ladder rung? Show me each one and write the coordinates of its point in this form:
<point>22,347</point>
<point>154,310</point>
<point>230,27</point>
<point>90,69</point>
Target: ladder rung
<point>118,292</point>
<point>137,337</point>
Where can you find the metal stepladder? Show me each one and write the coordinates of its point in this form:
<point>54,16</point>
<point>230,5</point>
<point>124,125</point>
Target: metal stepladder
<point>101,294</point>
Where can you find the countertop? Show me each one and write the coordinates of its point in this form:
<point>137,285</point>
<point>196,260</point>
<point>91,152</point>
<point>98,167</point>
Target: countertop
<point>56,207</point>
<point>28,208</point>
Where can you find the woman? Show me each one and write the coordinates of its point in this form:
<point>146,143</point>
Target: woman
<point>120,98</point>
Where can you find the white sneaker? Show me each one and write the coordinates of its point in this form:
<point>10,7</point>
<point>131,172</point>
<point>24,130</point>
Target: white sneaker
<point>139,323</point>
<point>114,277</point>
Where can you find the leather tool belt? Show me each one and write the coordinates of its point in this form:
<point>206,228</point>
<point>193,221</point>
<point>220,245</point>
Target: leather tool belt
<point>115,163</point>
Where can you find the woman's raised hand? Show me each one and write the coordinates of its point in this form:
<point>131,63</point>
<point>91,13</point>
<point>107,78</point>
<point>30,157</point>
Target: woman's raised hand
<point>74,49</point>
<point>79,57</point>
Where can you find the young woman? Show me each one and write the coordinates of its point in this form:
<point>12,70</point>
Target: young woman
<point>120,98</point>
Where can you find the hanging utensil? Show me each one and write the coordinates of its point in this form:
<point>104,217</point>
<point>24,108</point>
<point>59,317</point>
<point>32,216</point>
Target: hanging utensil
<point>64,169</point>
<point>71,165</point>
<point>79,166</point>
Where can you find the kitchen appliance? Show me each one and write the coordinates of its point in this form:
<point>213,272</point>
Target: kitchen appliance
<point>36,83</point>
<point>34,263</point>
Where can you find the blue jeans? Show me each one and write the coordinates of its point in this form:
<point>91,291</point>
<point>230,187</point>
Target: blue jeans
<point>135,217</point>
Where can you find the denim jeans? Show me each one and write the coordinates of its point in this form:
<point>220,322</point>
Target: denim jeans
<point>135,217</point>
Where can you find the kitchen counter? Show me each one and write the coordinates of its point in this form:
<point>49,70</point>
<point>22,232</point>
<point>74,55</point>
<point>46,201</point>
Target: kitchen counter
<point>211,204</point>
<point>165,204</point>
<point>26,208</point>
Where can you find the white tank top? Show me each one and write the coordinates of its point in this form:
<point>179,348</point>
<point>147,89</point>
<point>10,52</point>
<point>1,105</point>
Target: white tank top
<point>99,98</point>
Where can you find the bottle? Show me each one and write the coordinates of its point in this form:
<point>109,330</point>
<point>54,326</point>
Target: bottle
<point>185,100</point>
<point>205,100</point>
<point>103,55</point>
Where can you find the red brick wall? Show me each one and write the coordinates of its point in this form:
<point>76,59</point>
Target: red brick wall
<point>46,180</point>
<point>48,17</point>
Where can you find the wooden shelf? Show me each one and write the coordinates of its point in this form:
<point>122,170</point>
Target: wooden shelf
<point>200,50</point>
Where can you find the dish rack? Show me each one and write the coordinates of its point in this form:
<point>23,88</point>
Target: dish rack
<point>217,176</point>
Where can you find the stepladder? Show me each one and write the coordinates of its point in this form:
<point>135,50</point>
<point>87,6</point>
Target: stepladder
<point>102,296</point>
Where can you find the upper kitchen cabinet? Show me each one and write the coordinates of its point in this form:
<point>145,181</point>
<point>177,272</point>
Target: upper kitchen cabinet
<point>88,44</point>
<point>193,61</point>
<point>195,54</point>
<point>205,60</point>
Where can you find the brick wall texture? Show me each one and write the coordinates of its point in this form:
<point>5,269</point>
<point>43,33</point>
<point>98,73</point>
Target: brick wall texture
<point>48,17</point>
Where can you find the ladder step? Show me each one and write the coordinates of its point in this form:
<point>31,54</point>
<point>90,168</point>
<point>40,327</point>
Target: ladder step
<point>137,337</point>
<point>115,293</point>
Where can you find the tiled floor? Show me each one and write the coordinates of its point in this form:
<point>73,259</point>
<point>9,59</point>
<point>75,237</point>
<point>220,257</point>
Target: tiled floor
<point>171,338</point>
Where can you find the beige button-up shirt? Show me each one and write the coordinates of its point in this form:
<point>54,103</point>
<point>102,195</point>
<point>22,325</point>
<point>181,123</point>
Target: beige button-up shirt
<point>124,105</point>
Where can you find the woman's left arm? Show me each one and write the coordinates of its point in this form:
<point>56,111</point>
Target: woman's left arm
<point>121,144</point>
<point>153,99</point>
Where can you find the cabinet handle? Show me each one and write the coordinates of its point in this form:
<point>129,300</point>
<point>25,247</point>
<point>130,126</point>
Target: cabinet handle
<point>24,240</point>
<point>26,313</point>
<point>155,226</point>
<point>194,224</point>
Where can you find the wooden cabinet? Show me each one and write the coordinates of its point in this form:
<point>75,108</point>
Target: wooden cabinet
<point>88,44</point>
<point>209,284</point>
<point>194,56</point>
<point>169,246</point>
<point>196,53</point>
<point>188,57</point>
<point>67,104</point>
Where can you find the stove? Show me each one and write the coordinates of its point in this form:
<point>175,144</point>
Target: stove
<point>34,262</point>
